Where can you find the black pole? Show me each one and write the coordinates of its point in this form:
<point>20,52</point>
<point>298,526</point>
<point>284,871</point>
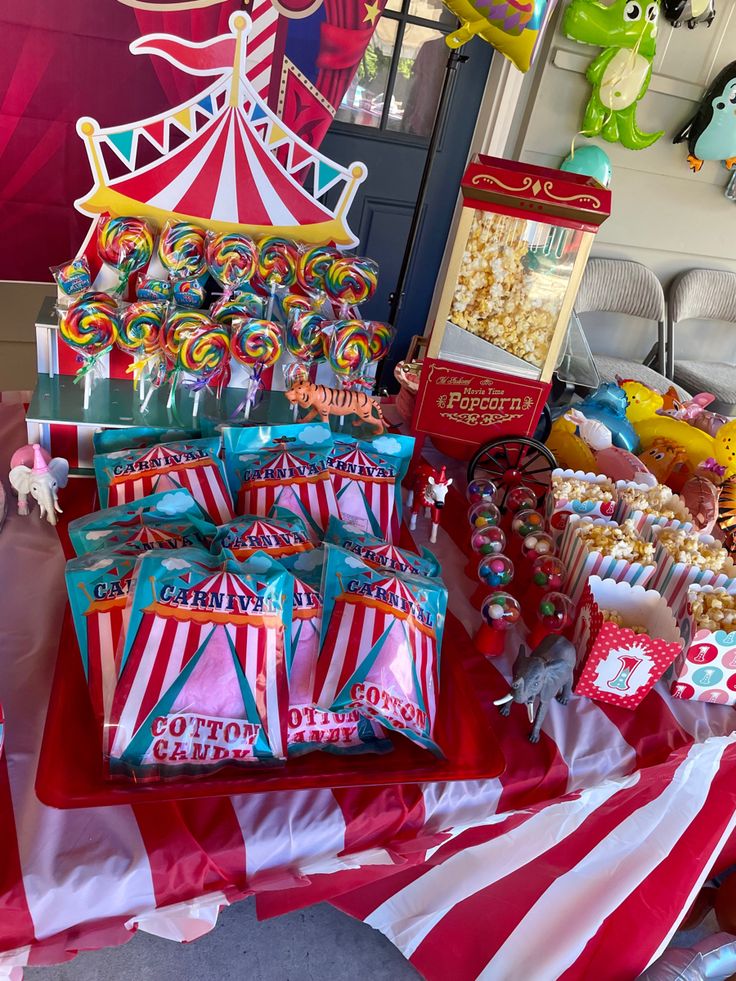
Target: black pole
<point>396,298</point>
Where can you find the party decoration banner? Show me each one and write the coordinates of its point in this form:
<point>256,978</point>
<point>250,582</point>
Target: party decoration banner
<point>63,63</point>
<point>513,27</point>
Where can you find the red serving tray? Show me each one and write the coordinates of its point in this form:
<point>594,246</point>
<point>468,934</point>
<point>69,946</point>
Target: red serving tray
<point>70,769</point>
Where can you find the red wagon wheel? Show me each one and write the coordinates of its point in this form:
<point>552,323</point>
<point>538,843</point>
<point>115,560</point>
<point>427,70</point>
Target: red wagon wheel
<point>512,461</point>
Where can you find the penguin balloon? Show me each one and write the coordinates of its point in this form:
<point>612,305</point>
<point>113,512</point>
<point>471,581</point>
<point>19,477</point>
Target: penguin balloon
<point>711,132</point>
<point>690,12</point>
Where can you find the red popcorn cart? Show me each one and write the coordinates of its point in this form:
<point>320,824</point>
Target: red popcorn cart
<point>515,266</point>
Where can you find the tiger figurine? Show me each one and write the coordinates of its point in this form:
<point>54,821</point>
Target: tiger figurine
<point>326,402</point>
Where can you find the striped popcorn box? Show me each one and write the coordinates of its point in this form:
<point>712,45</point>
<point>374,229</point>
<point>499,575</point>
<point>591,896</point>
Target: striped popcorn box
<point>705,671</point>
<point>559,508</point>
<point>673,578</point>
<point>645,518</point>
<point>621,663</point>
<point>582,562</point>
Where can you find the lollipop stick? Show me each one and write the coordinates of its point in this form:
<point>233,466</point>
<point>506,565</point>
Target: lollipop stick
<point>271,299</point>
<point>142,386</point>
<point>195,407</point>
<point>87,390</point>
<point>170,400</point>
<point>147,399</point>
<point>49,334</point>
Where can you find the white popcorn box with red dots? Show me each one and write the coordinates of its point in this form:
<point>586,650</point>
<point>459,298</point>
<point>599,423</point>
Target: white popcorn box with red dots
<point>616,664</point>
<point>673,579</point>
<point>558,509</point>
<point>582,563</point>
<point>705,671</point>
<point>644,520</point>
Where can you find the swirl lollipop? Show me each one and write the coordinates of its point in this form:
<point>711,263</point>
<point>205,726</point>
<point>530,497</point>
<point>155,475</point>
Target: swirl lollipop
<point>312,266</point>
<point>126,244</point>
<point>303,336</point>
<point>349,348</point>
<point>350,281</point>
<point>138,335</point>
<point>241,305</point>
<point>231,258</point>
<point>90,326</point>
<point>178,325</point>
<point>256,344</point>
<point>206,355</point>
<point>277,261</point>
<point>295,301</point>
<point>181,250</point>
<point>381,336</point>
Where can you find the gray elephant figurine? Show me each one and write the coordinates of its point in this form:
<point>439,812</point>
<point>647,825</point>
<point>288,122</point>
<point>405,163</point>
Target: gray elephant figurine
<point>34,473</point>
<point>546,673</point>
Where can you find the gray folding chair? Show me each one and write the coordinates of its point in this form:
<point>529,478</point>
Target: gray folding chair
<point>703,294</point>
<point>630,289</point>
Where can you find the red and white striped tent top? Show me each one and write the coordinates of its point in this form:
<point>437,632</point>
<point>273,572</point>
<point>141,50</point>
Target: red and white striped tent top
<point>311,497</point>
<point>578,862</point>
<point>156,470</point>
<point>365,497</point>
<point>272,539</point>
<point>169,636</point>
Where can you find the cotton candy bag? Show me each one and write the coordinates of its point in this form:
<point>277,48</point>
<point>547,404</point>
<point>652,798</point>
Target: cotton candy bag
<point>98,584</point>
<point>367,475</point>
<point>282,466</point>
<point>203,671</point>
<point>380,645</point>
<point>193,464</point>
<point>380,554</point>
<point>282,535</point>
<point>171,519</point>
<point>136,437</point>
<point>310,729</point>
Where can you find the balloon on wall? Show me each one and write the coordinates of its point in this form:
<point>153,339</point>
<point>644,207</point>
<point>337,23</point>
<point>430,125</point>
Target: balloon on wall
<point>619,76</point>
<point>513,27</point>
<point>690,12</point>
<point>591,161</point>
<point>711,132</point>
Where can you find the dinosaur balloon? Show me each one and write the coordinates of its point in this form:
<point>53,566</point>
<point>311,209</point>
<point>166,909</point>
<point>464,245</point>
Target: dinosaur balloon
<point>619,76</point>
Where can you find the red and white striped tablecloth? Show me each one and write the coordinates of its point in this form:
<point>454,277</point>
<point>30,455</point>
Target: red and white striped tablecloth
<point>578,862</point>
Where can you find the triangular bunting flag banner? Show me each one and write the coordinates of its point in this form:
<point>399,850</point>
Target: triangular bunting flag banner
<point>155,132</point>
<point>258,113</point>
<point>184,118</point>
<point>299,156</point>
<point>205,104</point>
<point>277,134</point>
<point>324,176</point>
<point>123,143</point>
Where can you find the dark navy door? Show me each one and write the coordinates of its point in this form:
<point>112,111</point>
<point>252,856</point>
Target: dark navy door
<point>385,120</point>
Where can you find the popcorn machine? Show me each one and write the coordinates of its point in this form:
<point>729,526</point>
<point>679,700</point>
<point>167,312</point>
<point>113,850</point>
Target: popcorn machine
<point>506,299</point>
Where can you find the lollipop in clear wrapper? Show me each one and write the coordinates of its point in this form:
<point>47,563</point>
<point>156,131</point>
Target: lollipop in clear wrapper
<point>181,250</point>
<point>179,325</point>
<point>150,288</point>
<point>277,262</point>
<point>257,345</point>
<point>312,266</point>
<point>351,280</point>
<point>126,244</point>
<point>295,303</point>
<point>138,335</point>
<point>231,258</point>
<point>206,355</point>
<point>90,326</point>
<point>381,336</point>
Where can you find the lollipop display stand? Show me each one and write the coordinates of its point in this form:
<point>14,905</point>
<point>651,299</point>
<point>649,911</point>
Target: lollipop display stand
<point>58,420</point>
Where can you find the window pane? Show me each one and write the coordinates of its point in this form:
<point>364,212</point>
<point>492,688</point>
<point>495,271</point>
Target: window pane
<point>418,81</point>
<point>362,104</point>
<point>433,10</point>
<point>393,5</point>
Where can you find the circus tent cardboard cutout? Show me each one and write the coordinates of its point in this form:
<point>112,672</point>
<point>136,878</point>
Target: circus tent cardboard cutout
<point>238,168</point>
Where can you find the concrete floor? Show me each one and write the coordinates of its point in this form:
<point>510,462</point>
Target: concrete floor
<point>312,945</point>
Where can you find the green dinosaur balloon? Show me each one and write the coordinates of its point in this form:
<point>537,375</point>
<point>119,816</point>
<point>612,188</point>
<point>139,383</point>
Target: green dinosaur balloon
<point>627,30</point>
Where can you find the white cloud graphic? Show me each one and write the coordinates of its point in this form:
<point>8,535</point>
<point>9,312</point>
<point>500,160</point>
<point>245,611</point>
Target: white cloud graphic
<point>94,536</point>
<point>388,445</point>
<point>306,561</point>
<point>98,565</point>
<point>176,503</point>
<point>354,563</point>
<point>315,434</point>
<point>173,564</point>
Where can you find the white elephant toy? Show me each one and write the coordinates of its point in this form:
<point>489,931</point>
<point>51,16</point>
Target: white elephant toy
<point>32,471</point>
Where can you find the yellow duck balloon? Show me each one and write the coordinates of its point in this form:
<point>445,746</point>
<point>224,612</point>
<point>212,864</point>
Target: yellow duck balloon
<point>513,27</point>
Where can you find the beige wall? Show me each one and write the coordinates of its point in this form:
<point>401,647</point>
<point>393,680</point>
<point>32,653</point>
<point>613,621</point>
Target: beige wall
<point>19,304</point>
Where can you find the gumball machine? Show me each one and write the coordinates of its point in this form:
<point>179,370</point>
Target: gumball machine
<point>484,514</point>
<point>553,614</point>
<point>521,498</point>
<point>523,523</point>
<point>486,537</point>
<point>496,571</point>
<point>480,490</point>
<point>548,572</point>
<point>500,611</point>
<point>534,545</point>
